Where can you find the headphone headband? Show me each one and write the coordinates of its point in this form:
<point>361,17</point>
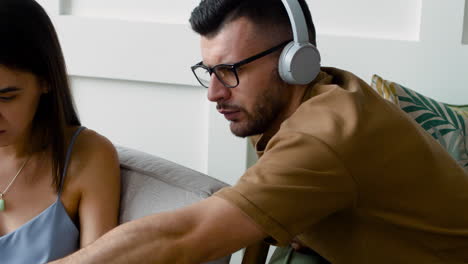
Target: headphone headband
<point>298,22</point>
<point>299,62</point>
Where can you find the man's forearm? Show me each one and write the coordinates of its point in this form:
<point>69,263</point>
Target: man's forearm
<point>204,231</point>
<point>136,242</point>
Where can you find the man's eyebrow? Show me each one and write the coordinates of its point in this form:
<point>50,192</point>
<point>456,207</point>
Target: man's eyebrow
<point>9,89</point>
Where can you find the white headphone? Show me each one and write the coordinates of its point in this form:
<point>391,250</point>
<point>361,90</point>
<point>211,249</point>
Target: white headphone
<point>299,62</point>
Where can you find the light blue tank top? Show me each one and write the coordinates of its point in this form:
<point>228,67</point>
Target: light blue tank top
<point>48,236</point>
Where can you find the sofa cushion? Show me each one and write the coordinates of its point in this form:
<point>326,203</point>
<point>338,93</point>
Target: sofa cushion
<point>151,184</point>
<point>446,123</point>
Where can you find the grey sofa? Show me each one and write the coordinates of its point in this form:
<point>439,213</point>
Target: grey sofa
<point>151,185</point>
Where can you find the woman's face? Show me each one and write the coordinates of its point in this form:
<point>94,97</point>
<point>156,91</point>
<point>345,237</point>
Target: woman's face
<point>19,97</point>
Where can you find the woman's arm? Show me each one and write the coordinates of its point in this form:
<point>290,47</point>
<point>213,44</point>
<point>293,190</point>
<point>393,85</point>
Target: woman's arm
<point>99,182</point>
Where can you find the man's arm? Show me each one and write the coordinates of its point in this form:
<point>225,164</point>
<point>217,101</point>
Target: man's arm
<point>204,231</point>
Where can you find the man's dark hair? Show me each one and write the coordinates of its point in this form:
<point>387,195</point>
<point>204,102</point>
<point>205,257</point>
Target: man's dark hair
<point>210,16</point>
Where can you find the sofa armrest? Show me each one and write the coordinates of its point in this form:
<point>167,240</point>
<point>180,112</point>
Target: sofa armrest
<point>151,184</point>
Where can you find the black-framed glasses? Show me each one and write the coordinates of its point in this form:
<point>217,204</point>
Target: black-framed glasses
<point>227,73</point>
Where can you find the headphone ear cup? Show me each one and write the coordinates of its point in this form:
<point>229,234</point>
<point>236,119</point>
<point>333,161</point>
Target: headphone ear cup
<point>299,63</point>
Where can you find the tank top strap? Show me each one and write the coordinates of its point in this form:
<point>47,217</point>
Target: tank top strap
<point>68,156</point>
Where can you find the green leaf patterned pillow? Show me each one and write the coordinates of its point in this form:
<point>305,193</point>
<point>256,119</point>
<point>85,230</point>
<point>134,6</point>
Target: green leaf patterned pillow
<point>446,123</point>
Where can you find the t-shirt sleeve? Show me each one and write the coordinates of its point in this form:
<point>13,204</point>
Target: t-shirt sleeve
<point>298,181</point>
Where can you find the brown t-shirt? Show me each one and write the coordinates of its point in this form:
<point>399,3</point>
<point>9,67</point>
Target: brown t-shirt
<point>357,180</point>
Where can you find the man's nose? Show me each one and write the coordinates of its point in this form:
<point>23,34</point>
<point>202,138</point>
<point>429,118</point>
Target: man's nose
<point>217,92</point>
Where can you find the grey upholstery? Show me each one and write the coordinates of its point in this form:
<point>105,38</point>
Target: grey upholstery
<point>151,185</point>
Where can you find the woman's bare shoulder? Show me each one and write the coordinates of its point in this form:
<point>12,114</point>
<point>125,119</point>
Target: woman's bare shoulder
<point>92,143</point>
<point>93,155</point>
<point>95,180</point>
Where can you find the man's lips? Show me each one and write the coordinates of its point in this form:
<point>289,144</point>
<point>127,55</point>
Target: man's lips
<point>229,114</point>
<point>228,111</point>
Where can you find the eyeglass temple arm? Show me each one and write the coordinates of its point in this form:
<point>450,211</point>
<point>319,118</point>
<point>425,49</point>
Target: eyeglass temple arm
<point>262,54</point>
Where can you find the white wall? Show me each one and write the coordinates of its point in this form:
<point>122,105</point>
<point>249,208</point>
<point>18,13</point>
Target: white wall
<point>129,66</point>
<point>173,12</point>
<point>435,65</point>
<point>465,26</point>
<point>396,19</point>
<point>164,119</point>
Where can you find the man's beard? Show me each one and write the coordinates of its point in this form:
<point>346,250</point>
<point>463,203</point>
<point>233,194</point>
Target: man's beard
<point>265,112</point>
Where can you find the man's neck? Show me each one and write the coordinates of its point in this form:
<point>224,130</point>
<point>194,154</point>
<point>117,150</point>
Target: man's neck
<point>295,100</point>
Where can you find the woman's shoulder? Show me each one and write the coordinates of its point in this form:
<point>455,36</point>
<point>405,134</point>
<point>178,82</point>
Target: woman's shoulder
<point>92,155</point>
<point>92,182</point>
<point>89,143</point>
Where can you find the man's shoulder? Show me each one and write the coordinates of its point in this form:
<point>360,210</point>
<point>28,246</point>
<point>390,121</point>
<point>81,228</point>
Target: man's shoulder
<point>332,106</point>
<point>333,80</point>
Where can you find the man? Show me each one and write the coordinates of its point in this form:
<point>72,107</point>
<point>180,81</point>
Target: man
<point>339,169</point>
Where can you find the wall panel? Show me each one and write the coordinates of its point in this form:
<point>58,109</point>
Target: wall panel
<point>165,120</point>
<point>465,25</point>
<point>170,12</point>
<point>387,19</point>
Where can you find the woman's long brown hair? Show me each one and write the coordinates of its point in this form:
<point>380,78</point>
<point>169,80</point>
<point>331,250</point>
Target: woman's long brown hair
<point>30,44</point>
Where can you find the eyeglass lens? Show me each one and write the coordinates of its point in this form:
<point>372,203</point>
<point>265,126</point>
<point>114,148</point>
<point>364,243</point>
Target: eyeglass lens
<point>225,75</point>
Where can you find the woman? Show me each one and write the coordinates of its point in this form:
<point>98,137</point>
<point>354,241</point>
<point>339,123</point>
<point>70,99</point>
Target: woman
<point>59,182</point>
